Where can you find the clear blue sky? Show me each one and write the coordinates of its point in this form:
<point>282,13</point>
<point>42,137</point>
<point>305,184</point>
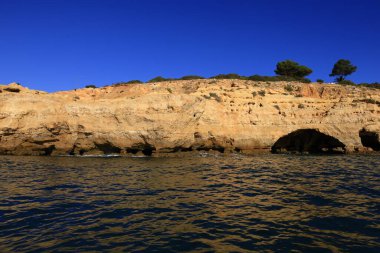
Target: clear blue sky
<point>65,44</point>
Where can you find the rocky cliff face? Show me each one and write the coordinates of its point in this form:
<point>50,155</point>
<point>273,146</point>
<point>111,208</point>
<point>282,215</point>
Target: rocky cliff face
<point>165,117</point>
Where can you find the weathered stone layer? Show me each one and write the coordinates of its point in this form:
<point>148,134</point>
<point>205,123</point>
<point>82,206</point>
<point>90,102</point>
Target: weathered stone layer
<point>157,118</point>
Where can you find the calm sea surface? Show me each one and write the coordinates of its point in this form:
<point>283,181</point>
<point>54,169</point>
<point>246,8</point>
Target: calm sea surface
<point>264,203</point>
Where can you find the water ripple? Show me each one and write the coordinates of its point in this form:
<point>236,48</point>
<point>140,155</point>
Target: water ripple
<point>264,203</point>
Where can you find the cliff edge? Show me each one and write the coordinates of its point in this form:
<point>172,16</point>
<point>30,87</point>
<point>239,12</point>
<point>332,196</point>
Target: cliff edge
<point>192,115</point>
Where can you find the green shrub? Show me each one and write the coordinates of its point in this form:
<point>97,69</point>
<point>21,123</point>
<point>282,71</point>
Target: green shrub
<point>118,84</point>
<point>305,80</point>
<point>277,107</point>
<point>254,94</point>
<point>12,89</point>
<point>341,69</point>
<point>191,77</point>
<point>159,79</point>
<point>260,78</point>
<point>133,81</point>
<point>278,79</point>
<point>370,85</point>
<point>320,81</point>
<point>288,87</point>
<point>90,86</point>
<point>346,82</point>
<point>292,69</point>
<point>126,83</point>
<point>215,96</point>
<point>368,101</point>
<point>228,76</point>
<point>261,93</point>
<point>301,106</point>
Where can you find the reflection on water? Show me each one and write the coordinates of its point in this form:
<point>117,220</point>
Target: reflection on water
<point>266,203</point>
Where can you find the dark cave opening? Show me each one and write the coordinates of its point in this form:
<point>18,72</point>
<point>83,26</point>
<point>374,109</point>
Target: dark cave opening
<point>49,150</point>
<point>370,139</point>
<point>108,148</point>
<point>146,149</point>
<point>308,141</point>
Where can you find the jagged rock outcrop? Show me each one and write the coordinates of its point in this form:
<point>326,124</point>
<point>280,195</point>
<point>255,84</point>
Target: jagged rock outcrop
<point>165,117</point>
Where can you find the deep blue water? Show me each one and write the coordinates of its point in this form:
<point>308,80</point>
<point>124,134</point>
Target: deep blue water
<point>264,203</point>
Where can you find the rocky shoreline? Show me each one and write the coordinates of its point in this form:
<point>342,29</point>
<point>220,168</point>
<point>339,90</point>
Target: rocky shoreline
<point>223,116</point>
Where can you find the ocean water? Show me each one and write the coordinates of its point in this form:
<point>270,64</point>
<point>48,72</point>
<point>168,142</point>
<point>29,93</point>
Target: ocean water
<point>263,203</point>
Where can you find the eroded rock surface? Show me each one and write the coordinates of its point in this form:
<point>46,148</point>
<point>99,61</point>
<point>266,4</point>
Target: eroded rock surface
<point>194,115</point>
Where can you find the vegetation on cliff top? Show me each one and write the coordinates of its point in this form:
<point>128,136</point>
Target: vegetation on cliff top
<point>287,70</point>
<point>341,69</point>
<point>290,68</point>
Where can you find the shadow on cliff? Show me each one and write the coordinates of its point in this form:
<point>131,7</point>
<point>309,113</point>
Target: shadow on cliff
<point>308,141</point>
<point>144,148</point>
<point>370,139</point>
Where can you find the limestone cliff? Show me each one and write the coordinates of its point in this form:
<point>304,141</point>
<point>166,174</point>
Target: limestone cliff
<point>165,117</point>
